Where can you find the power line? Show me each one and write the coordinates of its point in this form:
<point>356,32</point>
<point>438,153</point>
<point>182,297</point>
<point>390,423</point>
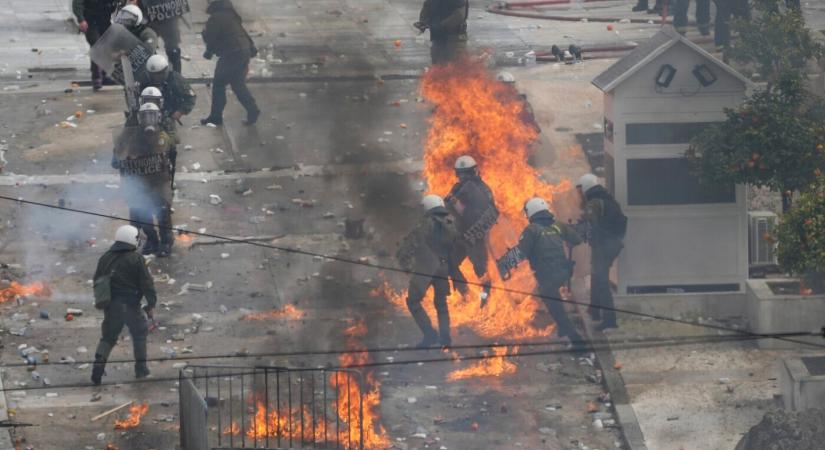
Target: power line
<point>412,272</point>
<point>668,339</point>
<point>707,340</point>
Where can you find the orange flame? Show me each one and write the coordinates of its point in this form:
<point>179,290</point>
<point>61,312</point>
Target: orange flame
<point>476,115</point>
<point>284,424</point>
<point>16,289</point>
<point>185,239</point>
<point>290,312</point>
<point>135,413</point>
<point>491,366</point>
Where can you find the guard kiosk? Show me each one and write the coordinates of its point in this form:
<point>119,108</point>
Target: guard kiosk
<point>683,238</point>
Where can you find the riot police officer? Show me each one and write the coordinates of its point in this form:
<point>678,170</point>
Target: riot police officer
<point>608,226</point>
<point>447,22</point>
<point>169,31</point>
<point>142,156</point>
<point>131,18</point>
<point>471,202</point>
<point>542,244</point>
<point>94,18</point>
<point>130,282</point>
<point>178,98</point>
<point>428,251</point>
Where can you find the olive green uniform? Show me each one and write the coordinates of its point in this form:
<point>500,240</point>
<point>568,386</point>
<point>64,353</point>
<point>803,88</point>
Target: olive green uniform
<point>130,283</point>
<point>145,169</point>
<point>428,251</point>
<point>542,244</point>
<point>178,96</point>
<point>606,246</point>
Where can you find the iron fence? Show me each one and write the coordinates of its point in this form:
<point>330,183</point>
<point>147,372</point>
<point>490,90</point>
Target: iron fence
<point>273,407</point>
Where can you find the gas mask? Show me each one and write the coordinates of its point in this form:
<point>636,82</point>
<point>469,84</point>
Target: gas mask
<point>149,119</point>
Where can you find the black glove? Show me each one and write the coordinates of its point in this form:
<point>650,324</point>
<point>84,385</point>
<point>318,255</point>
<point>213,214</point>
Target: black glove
<point>150,312</point>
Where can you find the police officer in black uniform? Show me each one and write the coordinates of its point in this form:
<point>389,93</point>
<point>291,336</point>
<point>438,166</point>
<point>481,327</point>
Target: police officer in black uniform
<point>130,282</point>
<point>94,18</point>
<point>471,202</point>
<point>542,244</point>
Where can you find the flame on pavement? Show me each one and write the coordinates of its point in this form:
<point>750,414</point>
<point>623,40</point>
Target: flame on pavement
<point>289,312</point>
<point>476,115</point>
<point>16,290</point>
<point>135,413</point>
<point>283,423</point>
<point>494,365</point>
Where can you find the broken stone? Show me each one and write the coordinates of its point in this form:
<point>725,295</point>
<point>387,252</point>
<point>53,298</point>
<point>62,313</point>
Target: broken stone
<point>51,394</point>
<point>215,199</point>
<point>412,400</point>
<point>82,350</point>
<point>545,430</point>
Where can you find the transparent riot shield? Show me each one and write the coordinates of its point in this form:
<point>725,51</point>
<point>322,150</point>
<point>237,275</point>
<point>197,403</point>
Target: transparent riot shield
<point>123,56</point>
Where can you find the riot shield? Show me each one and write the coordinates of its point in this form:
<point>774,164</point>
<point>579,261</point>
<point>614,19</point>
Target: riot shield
<point>475,211</point>
<point>162,10</point>
<point>127,144</point>
<point>117,41</point>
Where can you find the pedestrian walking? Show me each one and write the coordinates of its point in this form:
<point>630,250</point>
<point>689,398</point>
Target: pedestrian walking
<point>226,38</point>
<point>94,18</point>
<point>607,225</point>
<point>128,281</point>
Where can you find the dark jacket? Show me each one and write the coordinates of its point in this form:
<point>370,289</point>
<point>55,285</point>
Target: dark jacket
<point>130,279</point>
<point>177,92</point>
<point>223,33</point>
<point>604,215</point>
<point>542,244</point>
<point>428,247</point>
<point>94,9</point>
<point>445,17</point>
<point>471,202</point>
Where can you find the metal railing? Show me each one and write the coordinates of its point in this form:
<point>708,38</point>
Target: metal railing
<point>273,407</point>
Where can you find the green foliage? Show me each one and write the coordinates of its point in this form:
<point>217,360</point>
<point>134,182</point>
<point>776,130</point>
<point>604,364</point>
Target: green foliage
<point>772,140</point>
<point>801,232</point>
<point>775,43</point>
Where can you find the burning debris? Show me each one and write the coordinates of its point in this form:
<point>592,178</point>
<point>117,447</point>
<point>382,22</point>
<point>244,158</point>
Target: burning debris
<point>289,312</point>
<point>17,290</point>
<point>494,365</point>
<point>133,420</point>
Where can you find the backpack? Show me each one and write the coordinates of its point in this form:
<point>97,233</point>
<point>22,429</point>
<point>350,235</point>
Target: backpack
<point>613,221</point>
<point>103,287</point>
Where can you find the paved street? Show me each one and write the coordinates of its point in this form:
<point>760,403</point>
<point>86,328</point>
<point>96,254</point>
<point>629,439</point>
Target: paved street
<point>340,138</point>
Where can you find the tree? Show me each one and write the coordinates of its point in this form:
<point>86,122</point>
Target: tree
<point>801,235</point>
<point>776,137</point>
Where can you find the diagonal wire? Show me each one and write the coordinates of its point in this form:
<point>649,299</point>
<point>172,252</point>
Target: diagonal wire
<point>412,272</point>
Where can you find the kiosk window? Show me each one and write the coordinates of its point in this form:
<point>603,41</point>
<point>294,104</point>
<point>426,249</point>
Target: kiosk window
<point>663,133</point>
<point>668,181</point>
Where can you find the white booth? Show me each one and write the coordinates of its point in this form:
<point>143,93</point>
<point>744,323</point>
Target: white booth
<point>682,237</point>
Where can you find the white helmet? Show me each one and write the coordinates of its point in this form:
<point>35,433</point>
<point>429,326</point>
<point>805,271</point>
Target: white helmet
<point>129,16</point>
<point>432,201</point>
<point>465,162</point>
<point>127,234</point>
<point>156,64</point>
<point>587,181</point>
<point>534,205</point>
<point>149,115</point>
<point>151,95</point>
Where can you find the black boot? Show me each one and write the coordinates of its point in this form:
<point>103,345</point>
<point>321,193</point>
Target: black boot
<point>98,370</point>
<point>444,329</point>
<point>641,5</point>
<point>423,322</point>
<point>139,348</point>
<point>99,366</point>
<point>252,117</point>
<point>173,54</point>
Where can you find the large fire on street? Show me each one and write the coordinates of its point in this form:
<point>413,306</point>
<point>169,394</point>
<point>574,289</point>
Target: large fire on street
<point>16,290</point>
<point>475,114</point>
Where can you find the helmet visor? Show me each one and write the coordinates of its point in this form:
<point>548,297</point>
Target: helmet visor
<point>149,118</point>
